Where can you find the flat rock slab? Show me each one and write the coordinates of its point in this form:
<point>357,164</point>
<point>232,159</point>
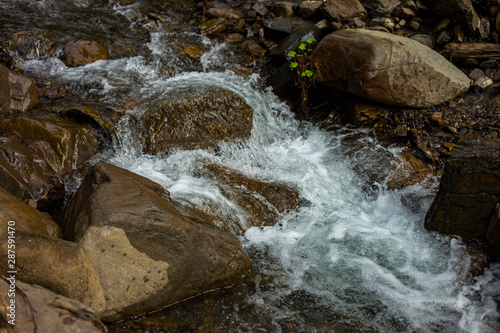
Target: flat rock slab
<point>387,68</point>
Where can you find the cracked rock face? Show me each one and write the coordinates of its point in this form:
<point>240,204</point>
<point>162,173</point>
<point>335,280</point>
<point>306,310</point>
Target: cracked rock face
<point>387,68</point>
<point>147,250</point>
<point>469,192</point>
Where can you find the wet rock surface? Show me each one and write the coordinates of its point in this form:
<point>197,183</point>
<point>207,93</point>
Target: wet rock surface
<point>147,251</point>
<point>196,119</point>
<point>469,191</point>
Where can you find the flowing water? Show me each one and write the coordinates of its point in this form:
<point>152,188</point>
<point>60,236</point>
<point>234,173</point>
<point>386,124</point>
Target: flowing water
<point>353,257</point>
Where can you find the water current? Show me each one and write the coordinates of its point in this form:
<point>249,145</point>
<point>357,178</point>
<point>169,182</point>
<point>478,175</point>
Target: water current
<point>353,257</point>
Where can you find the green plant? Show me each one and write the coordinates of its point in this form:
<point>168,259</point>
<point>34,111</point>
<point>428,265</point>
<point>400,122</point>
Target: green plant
<point>305,71</point>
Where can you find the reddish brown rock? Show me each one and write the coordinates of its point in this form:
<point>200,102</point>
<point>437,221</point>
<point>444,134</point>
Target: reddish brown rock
<point>83,52</point>
<point>38,151</point>
<point>17,93</point>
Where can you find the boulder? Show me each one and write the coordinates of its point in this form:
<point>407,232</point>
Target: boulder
<point>83,52</point>
<point>17,93</point>
<point>262,202</point>
<point>341,10</point>
<point>387,68</point>
<point>27,219</point>
<point>40,310</point>
<point>469,191</point>
<point>196,119</point>
<point>55,264</point>
<point>147,250</point>
<point>36,152</point>
<point>461,11</point>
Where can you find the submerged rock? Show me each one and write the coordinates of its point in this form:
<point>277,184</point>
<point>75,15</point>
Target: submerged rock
<point>263,202</point>
<point>147,250</point>
<point>388,68</point>
<point>195,119</point>
<point>17,93</point>
<point>40,310</point>
<point>469,191</point>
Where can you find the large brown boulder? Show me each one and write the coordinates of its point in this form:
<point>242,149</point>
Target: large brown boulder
<point>40,310</point>
<point>341,10</point>
<point>36,152</point>
<point>196,119</point>
<point>17,93</point>
<point>147,250</point>
<point>469,191</point>
<point>387,68</point>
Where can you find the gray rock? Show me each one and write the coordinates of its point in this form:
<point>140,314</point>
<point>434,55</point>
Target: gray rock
<point>388,69</point>
<point>147,250</point>
<point>483,82</point>
<point>40,310</point>
<point>427,40</point>
<point>476,74</point>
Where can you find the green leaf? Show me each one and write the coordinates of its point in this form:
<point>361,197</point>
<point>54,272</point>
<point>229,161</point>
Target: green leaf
<point>293,54</point>
<point>310,41</point>
<point>293,65</point>
<point>302,46</point>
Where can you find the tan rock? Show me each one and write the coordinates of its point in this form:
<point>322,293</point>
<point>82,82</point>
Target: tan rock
<point>17,93</point>
<point>55,264</point>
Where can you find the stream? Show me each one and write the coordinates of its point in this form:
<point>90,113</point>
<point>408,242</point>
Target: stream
<point>354,257</point>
